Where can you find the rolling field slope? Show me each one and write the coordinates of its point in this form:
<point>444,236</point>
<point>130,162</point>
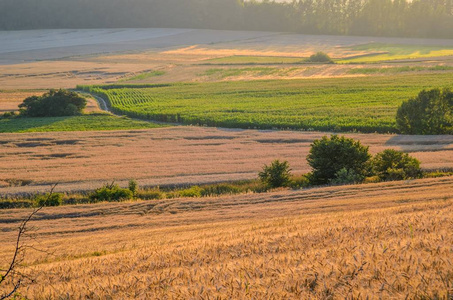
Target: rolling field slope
<point>388,240</point>
<point>366,104</point>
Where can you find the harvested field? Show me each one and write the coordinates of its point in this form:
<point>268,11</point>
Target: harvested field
<point>388,240</point>
<point>9,100</point>
<point>175,156</point>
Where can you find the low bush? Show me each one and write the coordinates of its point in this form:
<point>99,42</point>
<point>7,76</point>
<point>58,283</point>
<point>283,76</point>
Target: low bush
<point>278,174</point>
<point>396,165</point>
<point>320,57</point>
<point>299,182</point>
<point>9,115</point>
<point>133,186</point>
<point>54,199</point>
<point>220,189</point>
<point>153,194</point>
<point>12,203</point>
<point>111,193</point>
<point>192,192</point>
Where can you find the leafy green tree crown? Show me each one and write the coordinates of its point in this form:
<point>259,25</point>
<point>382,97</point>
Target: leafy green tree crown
<point>396,165</point>
<point>431,112</point>
<point>54,103</point>
<point>329,155</point>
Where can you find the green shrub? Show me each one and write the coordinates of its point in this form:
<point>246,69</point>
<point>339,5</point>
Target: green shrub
<point>54,199</point>
<point>346,176</point>
<point>133,186</point>
<point>278,174</point>
<point>328,156</point>
<point>431,112</point>
<point>111,193</point>
<point>299,182</point>
<point>220,189</point>
<point>320,57</point>
<point>396,165</point>
<point>193,192</point>
<point>9,115</point>
<point>55,103</point>
<point>10,203</point>
<point>154,194</point>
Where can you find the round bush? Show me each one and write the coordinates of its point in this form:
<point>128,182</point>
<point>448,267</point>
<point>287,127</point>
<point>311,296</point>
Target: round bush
<point>396,165</point>
<point>431,112</point>
<point>276,175</point>
<point>328,156</point>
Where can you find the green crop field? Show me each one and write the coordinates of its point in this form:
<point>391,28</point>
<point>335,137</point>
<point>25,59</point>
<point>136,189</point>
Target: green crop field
<point>77,123</point>
<point>366,104</point>
<point>387,52</point>
<point>391,70</point>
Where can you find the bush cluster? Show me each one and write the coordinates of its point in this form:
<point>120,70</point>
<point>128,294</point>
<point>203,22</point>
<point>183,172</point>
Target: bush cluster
<point>54,103</point>
<point>341,160</point>
<point>111,193</point>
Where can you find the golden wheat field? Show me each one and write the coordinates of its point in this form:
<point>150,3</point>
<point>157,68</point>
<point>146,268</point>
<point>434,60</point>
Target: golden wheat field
<point>376,241</point>
<point>175,155</point>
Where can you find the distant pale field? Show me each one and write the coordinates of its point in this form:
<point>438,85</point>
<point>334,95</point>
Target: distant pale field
<point>177,155</point>
<point>43,59</point>
<point>388,240</point>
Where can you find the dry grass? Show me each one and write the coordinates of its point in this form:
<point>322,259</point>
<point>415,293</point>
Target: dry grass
<point>178,155</point>
<point>387,241</point>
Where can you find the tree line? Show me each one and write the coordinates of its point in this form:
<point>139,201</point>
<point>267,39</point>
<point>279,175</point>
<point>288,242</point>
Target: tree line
<point>409,18</point>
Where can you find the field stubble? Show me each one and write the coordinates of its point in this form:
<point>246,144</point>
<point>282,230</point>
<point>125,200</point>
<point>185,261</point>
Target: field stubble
<point>387,240</point>
<point>177,155</point>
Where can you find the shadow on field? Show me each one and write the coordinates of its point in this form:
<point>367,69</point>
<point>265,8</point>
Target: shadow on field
<point>411,143</point>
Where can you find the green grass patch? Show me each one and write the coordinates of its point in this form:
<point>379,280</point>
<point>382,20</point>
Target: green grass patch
<point>144,76</point>
<point>394,70</point>
<point>75,123</point>
<point>386,52</point>
<point>365,104</point>
<point>254,60</point>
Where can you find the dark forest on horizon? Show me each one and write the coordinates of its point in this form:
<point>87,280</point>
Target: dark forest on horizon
<point>402,18</point>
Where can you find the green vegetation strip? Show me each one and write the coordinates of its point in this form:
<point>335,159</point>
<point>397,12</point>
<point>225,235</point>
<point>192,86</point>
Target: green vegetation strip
<point>74,123</point>
<point>367,104</point>
<point>144,76</point>
<point>394,70</point>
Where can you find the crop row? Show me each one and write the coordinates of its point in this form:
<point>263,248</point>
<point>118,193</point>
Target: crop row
<point>366,104</point>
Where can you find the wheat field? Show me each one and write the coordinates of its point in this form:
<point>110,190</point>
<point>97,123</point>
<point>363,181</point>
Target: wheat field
<point>175,155</point>
<point>376,241</point>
